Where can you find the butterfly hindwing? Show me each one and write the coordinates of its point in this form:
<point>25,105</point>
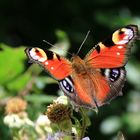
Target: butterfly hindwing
<point>57,66</point>
<point>115,78</point>
<point>113,51</point>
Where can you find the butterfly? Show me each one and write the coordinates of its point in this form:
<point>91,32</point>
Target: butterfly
<point>99,77</point>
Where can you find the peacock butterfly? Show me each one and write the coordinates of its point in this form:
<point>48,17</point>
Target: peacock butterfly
<point>99,77</point>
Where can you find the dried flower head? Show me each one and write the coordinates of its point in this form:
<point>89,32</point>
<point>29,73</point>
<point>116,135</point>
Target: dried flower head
<point>58,112</point>
<point>15,105</point>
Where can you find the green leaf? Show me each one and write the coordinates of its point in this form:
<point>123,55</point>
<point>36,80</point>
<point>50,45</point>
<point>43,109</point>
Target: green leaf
<point>11,60</point>
<point>111,125</point>
<point>63,44</point>
<point>38,99</point>
<point>19,83</point>
<point>132,121</point>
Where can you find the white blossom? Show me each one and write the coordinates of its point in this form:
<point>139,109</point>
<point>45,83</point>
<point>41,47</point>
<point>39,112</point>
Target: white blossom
<point>62,100</point>
<point>86,138</point>
<point>14,120</point>
<point>43,125</point>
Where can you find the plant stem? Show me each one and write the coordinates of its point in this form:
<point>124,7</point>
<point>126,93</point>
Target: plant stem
<point>84,122</point>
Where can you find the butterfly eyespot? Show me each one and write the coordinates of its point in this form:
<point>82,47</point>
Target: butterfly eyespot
<point>121,32</point>
<point>36,50</point>
<point>36,54</point>
<point>66,85</point>
<point>112,74</point>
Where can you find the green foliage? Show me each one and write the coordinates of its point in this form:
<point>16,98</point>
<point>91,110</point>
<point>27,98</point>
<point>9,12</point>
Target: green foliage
<point>11,67</point>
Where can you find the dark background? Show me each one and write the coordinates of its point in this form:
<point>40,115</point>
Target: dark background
<point>28,22</point>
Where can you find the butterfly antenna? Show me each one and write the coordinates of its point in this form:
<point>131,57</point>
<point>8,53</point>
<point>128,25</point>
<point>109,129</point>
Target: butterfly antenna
<point>48,43</point>
<point>83,42</point>
<point>54,46</point>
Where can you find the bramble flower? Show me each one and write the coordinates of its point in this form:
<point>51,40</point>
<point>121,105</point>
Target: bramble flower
<point>58,112</point>
<point>15,105</point>
<point>74,131</point>
<point>16,116</point>
<point>13,120</point>
<point>86,138</point>
<point>47,127</point>
<point>58,136</point>
<point>17,121</point>
<point>42,125</point>
<point>43,121</point>
<point>62,100</point>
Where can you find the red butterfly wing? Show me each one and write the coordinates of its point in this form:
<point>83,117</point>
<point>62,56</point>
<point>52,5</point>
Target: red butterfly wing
<point>57,66</point>
<point>114,50</point>
<point>115,79</point>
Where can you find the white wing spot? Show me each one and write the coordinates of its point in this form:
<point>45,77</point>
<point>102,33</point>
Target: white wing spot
<point>46,63</point>
<point>120,47</point>
<point>118,53</point>
<point>52,68</point>
<point>42,59</point>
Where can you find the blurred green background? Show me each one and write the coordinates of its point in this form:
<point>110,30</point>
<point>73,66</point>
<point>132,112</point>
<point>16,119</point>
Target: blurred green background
<point>26,23</point>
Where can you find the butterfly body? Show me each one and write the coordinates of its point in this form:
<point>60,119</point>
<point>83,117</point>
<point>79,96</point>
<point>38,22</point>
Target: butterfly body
<point>83,74</point>
<point>99,77</point>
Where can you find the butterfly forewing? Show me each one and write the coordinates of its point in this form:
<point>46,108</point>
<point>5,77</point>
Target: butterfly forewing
<point>113,51</point>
